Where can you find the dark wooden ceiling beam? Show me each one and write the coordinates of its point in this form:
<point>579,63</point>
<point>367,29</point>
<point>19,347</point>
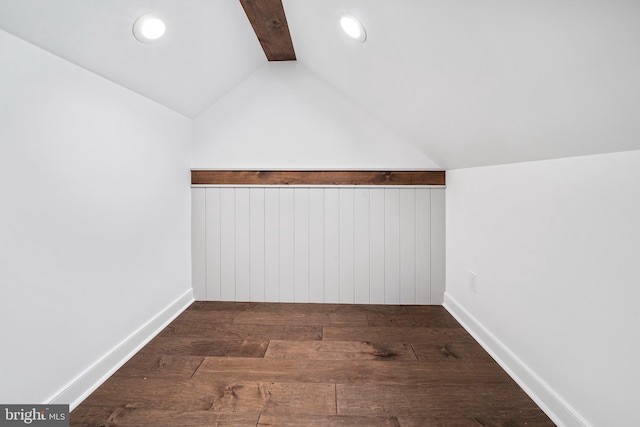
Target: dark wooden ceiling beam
<point>270,25</point>
<point>326,177</point>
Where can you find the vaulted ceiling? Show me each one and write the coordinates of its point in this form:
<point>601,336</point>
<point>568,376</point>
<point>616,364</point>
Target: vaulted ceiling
<point>466,82</point>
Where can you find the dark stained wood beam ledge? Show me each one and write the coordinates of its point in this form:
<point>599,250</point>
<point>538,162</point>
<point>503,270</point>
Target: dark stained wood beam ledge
<point>324,177</point>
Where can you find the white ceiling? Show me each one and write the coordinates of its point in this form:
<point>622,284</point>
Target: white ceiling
<point>475,82</point>
<point>209,46</point>
<point>467,82</point>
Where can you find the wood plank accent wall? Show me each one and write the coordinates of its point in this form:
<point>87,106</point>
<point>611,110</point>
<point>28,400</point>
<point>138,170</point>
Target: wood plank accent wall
<point>257,177</point>
<point>363,245</point>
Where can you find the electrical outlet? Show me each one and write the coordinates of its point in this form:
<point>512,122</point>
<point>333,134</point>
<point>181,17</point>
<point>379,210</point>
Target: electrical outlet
<point>473,282</point>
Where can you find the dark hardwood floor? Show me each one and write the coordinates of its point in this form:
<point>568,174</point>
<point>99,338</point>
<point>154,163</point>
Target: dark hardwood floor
<point>254,364</point>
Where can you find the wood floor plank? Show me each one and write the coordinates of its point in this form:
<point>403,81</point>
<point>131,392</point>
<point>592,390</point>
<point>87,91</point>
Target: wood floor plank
<point>291,332</point>
<point>313,317</point>
<point>200,318</point>
<point>90,416</point>
<point>121,416</point>
<point>504,420</point>
<point>465,401</point>
<point>147,417</point>
<point>348,372</point>
<point>271,307</point>
<point>140,392</point>
<point>208,346</point>
<point>338,350</point>
<point>326,421</point>
<point>387,309</point>
<point>425,318</point>
<point>150,364</point>
<point>453,351</point>
<point>222,306</point>
<point>390,334</point>
<point>263,397</point>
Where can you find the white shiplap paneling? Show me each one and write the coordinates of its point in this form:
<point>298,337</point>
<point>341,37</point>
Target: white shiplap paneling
<point>437,246</point>
<point>364,245</point>
<point>227,244</point>
<point>213,243</point>
<point>346,235</point>
<point>316,251</point>
<point>362,250</point>
<point>376,246</point>
<point>242,244</point>
<point>198,244</point>
<point>408,236</point>
<point>271,245</point>
<point>392,246</point>
<point>301,244</point>
<point>287,239</point>
<point>331,245</point>
<point>423,247</point>
<point>257,243</point>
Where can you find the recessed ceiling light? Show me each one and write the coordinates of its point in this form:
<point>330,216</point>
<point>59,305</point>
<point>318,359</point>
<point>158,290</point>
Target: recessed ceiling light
<point>353,28</point>
<point>148,28</point>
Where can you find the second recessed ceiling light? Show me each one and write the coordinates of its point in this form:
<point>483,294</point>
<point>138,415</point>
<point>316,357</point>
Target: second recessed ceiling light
<point>353,28</point>
<point>148,28</point>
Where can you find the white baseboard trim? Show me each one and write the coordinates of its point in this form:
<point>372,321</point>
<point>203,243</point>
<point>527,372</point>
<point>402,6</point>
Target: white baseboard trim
<point>89,380</point>
<point>544,396</point>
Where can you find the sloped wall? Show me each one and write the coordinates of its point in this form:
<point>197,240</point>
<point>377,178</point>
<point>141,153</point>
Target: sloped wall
<point>555,246</point>
<point>94,224</point>
<point>285,117</point>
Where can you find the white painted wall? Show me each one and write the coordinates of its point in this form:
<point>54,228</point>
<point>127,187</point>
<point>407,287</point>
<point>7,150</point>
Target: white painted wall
<point>94,223</point>
<point>361,245</point>
<point>284,116</point>
<point>555,246</point>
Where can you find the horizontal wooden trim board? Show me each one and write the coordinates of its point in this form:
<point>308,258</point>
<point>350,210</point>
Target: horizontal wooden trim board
<point>325,177</point>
